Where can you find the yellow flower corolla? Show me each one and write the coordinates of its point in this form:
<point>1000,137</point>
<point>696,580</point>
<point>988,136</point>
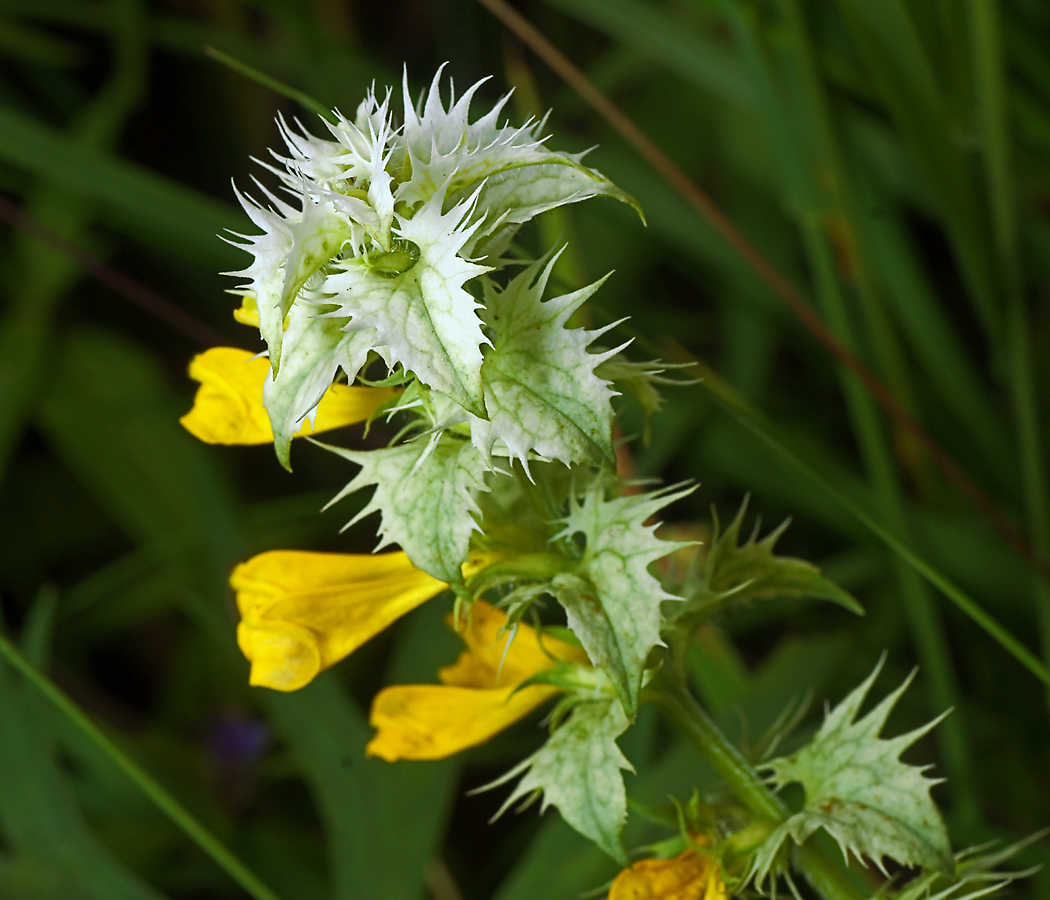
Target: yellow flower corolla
<point>691,876</point>
<point>228,407</point>
<point>302,612</point>
<point>248,312</point>
<point>479,696</point>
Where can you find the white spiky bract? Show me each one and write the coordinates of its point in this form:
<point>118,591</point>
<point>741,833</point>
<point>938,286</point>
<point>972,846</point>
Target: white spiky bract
<point>612,601</point>
<point>520,177</point>
<point>423,317</point>
<point>541,392</point>
<point>389,226</point>
<point>425,492</point>
<point>580,771</point>
<point>265,276</point>
<point>858,790</point>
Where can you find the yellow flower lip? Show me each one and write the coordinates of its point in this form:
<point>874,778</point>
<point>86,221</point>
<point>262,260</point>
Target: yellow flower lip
<point>691,875</point>
<point>479,696</point>
<point>248,312</point>
<point>228,407</point>
<point>302,612</point>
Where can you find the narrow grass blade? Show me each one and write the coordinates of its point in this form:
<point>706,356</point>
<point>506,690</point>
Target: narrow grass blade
<point>384,822</point>
<point>989,68</point>
<point>267,81</point>
<point>160,797</point>
<point>963,601</point>
<point>147,206</point>
<point>657,35</point>
<point>47,842</point>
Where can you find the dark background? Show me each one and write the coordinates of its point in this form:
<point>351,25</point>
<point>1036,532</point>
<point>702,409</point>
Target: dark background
<point>889,158</point>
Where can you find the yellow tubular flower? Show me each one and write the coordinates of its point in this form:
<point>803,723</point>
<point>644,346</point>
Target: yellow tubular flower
<point>302,612</point>
<point>690,876</point>
<point>248,312</point>
<point>477,699</point>
<point>228,408</point>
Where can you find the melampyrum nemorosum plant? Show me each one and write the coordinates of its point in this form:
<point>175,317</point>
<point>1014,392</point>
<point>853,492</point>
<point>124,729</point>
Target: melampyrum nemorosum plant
<point>386,281</point>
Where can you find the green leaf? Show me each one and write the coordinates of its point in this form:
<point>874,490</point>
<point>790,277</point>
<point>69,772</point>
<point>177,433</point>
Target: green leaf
<point>674,43</point>
<point>762,430</point>
<point>975,874</point>
<point>425,493</point>
<point>859,791</point>
<point>110,417</point>
<point>423,318</point>
<point>54,852</point>
<point>730,573</point>
<point>321,348</point>
<point>541,391</point>
<point>641,381</point>
<point>578,771</point>
<point>146,206</point>
<point>376,850</point>
<point>612,601</point>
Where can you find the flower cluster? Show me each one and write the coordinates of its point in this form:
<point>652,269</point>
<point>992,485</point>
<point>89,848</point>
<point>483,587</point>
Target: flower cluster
<point>375,247</point>
<point>385,282</point>
<point>390,244</point>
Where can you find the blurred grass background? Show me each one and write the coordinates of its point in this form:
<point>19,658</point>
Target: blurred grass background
<point>890,157</point>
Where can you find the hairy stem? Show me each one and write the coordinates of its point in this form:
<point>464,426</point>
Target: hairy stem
<point>678,704</point>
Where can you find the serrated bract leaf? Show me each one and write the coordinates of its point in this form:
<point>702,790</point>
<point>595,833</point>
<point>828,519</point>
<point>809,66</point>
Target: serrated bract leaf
<point>642,381</point>
<point>265,276</point>
<point>541,392</point>
<point>731,572</point>
<point>520,176</point>
<point>975,874</point>
<point>579,770</point>
<point>612,601</point>
<point>340,223</point>
<point>859,791</point>
<point>321,349</point>
<point>425,493</point>
<point>521,192</point>
<point>422,316</point>
<point>319,235</point>
<point>294,246</point>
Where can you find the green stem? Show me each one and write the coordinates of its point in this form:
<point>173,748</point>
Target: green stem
<point>990,87</point>
<point>920,608</point>
<point>160,797</point>
<point>923,616</point>
<point>1026,411</point>
<point>751,420</point>
<point>676,701</point>
<point>268,81</point>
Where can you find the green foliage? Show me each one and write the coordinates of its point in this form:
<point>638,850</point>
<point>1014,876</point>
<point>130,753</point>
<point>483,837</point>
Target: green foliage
<point>50,851</point>
<point>425,492</point>
<point>579,771</point>
<point>611,599</point>
<point>858,790</point>
<point>542,394</point>
<point>975,873</point>
<point>642,380</point>
<point>888,158</point>
<point>728,572</point>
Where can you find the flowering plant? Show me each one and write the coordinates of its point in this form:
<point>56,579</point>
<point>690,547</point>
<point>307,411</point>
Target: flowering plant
<point>389,259</point>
